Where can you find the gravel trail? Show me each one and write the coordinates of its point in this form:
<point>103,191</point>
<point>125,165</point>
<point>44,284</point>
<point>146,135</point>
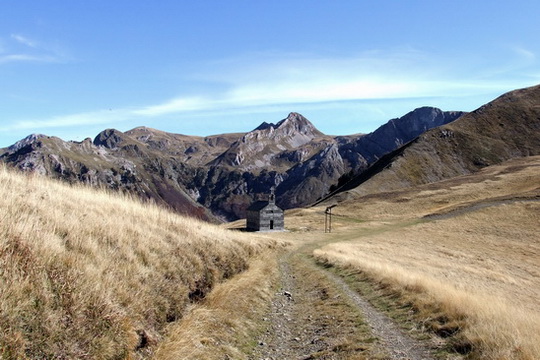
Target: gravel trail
<point>398,344</point>
<point>311,318</point>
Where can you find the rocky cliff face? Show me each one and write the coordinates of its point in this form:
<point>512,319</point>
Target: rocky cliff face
<point>396,132</point>
<point>217,177</point>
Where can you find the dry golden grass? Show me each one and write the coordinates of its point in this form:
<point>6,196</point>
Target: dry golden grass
<point>474,266</point>
<point>87,274</point>
<point>512,179</point>
<point>478,267</point>
<point>224,326</point>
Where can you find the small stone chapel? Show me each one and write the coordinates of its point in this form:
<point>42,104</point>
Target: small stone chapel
<point>265,215</point>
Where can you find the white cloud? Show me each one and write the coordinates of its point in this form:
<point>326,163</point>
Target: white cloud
<point>300,78</point>
<point>26,58</point>
<point>266,79</point>
<point>269,79</point>
<point>525,54</point>
<point>87,118</point>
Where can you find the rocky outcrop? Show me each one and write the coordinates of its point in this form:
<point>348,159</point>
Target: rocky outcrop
<point>310,180</point>
<point>29,140</point>
<point>109,138</point>
<point>395,133</point>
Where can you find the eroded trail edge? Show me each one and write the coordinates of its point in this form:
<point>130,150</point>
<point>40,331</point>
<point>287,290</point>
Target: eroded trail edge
<point>316,315</point>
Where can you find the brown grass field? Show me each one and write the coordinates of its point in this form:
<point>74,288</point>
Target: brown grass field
<point>87,274</point>
<point>473,270</point>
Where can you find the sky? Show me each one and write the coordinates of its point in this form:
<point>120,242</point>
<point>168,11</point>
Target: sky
<point>74,68</point>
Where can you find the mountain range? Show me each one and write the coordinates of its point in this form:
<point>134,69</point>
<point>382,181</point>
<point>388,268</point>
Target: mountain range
<point>217,177</point>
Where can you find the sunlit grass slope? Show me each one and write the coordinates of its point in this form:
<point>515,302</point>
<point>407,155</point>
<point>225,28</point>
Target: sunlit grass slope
<point>88,274</point>
<point>472,272</point>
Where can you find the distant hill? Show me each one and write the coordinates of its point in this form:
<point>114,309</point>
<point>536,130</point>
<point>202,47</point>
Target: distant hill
<point>217,177</point>
<point>506,128</point>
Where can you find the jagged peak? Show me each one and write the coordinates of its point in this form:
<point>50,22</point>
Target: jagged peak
<point>294,121</point>
<point>27,140</point>
<point>264,126</point>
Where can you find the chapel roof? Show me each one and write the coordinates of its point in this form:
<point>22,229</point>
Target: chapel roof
<point>258,205</point>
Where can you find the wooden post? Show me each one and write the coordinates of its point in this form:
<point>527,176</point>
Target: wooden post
<point>328,219</point>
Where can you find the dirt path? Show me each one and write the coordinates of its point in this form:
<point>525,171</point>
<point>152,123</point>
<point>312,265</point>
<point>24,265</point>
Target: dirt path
<point>396,342</point>
<point>316,315</point>
<point>468,208</point>
<point>282,337</point>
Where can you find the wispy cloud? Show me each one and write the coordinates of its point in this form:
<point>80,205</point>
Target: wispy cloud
<point>78,119</point>
<point>524,53</point>
<point>265,79</point>
<point>19,48</point>
<point>26,58</point>
<point>259,81</point>
<point>175,105</point>
<point>24,40</point>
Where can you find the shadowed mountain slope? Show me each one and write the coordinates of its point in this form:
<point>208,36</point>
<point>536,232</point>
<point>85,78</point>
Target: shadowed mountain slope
<point>506,128</point>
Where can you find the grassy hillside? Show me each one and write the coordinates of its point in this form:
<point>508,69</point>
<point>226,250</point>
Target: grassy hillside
<point>92,275</point>
<point>463,255</point>
<point>506,128</point>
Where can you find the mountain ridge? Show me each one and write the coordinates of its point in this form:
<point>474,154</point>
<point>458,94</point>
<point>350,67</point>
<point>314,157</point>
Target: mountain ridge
<point>507,127</point>
<point>218,176</point>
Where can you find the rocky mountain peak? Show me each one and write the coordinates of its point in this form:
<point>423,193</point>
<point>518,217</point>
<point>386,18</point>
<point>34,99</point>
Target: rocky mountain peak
<point>109,138</point>
<point>26,141</point>
<point>270,143</point>
<point>296,119</point>
<point>295,130</point>
<point>297,123</point>
<point>293,123</point>
<point>292,132</point>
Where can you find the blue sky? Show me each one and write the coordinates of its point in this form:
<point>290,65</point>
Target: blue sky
<point>73,68</point>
